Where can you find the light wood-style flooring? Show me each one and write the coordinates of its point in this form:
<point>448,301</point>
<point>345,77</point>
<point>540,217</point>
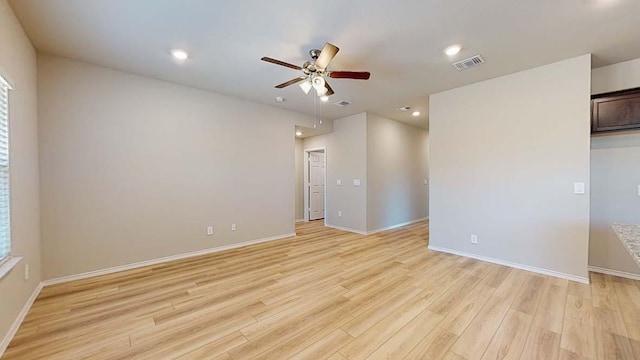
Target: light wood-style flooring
<point>329,294</point>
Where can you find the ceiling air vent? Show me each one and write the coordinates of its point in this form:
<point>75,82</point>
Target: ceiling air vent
<point>467,63</point>
<point>404,108</point>
<point>342,103</point>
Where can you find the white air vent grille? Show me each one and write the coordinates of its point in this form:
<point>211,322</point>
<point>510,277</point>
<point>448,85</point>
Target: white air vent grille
<point>404,108</point>
<point>470,62</point>
<point>342,103</point>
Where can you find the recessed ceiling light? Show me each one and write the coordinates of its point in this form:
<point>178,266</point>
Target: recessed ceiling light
<point>452,50</point>
<point>324,98</point>
<point>416,113</point>
<point>179,54</point>
<point>298,133</point>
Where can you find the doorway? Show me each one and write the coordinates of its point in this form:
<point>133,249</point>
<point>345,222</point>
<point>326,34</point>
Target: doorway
<point>315,175</point>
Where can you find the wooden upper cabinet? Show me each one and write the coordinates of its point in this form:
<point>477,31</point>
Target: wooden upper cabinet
<point>615,111</point>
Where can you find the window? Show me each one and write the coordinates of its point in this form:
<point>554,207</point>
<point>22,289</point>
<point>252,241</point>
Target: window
<point>5,231</point>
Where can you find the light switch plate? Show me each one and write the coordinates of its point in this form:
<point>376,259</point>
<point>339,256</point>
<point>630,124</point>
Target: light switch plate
<point>638,190</point>
<point>578,188</point>
<point>356,182</point>
<point>339,182</point>
<point>426,181</point>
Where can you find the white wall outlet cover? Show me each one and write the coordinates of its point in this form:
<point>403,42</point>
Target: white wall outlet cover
<point>339,213</point>
<point>474,238</point>
<point>426,181</point>
<point>233,227</point>
<point>638,190</point>
<point>338,182</point>
<point>579,188</point>
<point>209,230</point>
<point>356,182</point>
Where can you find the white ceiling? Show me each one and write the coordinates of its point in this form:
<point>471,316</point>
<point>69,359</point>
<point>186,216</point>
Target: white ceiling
<point>399,42</point>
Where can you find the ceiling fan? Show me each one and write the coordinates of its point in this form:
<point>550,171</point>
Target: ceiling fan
<point>315,71</point>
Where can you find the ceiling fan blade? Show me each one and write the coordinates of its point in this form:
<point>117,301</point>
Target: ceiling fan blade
<point>358,75</point>
<point>329,89</point>
<point>326,55</point>
<point>290,82</point>
<point>282,63</point>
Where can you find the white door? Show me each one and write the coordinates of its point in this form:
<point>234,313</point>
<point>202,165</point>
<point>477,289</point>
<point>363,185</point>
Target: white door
<point>316,185</point>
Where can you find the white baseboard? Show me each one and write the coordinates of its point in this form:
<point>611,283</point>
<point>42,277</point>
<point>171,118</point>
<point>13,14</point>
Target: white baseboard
<point>18,321</point>
<point>580,279</point>
<point>617,273</point>
<point>344,228</point>
<point>299,220</point>
<point>396,226</point>
<point>140,264</point>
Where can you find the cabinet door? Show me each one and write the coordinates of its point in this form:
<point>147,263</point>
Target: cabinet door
<point>617,111</point>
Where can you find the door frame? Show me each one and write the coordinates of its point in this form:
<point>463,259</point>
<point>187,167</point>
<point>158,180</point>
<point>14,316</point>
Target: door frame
<point>306,181</point>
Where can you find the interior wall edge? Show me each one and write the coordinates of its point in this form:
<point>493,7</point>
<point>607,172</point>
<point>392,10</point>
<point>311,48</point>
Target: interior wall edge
<point>140,264</point>
<point>561,275</point>
<point>18,321</point>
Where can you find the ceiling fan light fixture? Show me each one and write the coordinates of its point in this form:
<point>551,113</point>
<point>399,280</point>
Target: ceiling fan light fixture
<point>306,87</point>
<point>318,82</point>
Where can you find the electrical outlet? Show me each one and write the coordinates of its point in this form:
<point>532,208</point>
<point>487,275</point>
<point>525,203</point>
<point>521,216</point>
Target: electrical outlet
<point>340,213</point>
<point>233,227</point>
<point>339,182</point>
<point>426,181</point>
<point>209,230</point>
<point>474,238</point>
<point>26,272</point>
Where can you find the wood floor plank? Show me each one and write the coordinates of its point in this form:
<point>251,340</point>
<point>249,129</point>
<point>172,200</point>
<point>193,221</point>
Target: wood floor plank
<point>476,338</point>
<point>578,333</point>
<point>527,300</point>
<point>361,346</point>
<point>324,348</point>
<point>613,346</point>
<point>629,298</point>
<point>402,342</point>
<point>541,344</point>
<point>510,338</point>
<point>434,346</point>
<point>215,349</point>
<point>330,294</point>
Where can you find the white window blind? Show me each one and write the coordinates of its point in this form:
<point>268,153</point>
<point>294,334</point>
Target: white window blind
<point>5,231</point>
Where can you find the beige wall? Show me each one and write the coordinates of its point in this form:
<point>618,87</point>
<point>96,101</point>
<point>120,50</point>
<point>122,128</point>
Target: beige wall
<point>346,158</point>
<point>299,159</point>
<point>18,65</point>
<point>621,76</point>
<point>615,176</point>
<point>397,165</point>
<point>134,169</point>
<point>504,155</point>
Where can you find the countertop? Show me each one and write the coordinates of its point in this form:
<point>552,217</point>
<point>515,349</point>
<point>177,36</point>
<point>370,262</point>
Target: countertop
<point>629,234</point>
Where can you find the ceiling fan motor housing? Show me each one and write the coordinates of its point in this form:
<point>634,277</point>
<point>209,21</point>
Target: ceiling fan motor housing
<point>314,53</point>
